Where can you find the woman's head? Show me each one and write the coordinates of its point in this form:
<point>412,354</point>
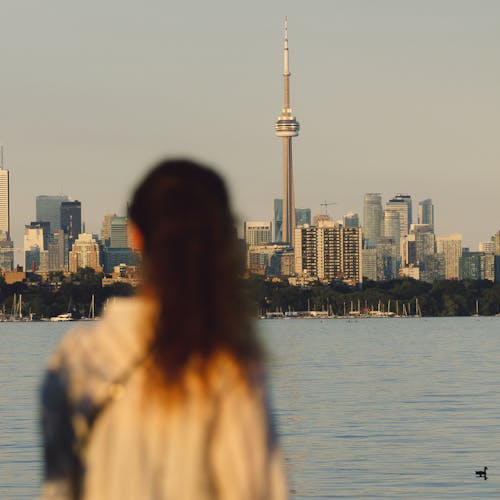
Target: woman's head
<point>191,264</point>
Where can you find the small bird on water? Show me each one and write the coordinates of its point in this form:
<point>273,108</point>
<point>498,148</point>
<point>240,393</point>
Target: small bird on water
<point>482,473</point>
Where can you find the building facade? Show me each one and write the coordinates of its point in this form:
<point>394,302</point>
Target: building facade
<point>329,252</point>
<point>257,233</point>
<point>84,253</point>
<point>48,209</point>
<point>71,219</point>
<point>372,218</point>
<point>426,213</point>
<point>451,247</point>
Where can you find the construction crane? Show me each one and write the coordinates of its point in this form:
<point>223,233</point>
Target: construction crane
<point>326,204</point>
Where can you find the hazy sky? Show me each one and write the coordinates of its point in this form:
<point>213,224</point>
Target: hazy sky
<point>392,96</point>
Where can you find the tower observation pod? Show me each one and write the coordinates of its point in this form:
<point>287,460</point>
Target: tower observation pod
<point>287,127</point>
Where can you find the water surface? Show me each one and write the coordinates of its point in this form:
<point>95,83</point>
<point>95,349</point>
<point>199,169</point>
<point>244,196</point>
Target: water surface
<point>374,408</point>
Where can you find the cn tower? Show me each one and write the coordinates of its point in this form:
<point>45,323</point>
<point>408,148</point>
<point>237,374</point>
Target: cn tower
<point>287,127</point>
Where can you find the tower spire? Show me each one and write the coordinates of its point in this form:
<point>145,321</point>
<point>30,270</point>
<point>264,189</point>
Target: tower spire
<point>287,127</point>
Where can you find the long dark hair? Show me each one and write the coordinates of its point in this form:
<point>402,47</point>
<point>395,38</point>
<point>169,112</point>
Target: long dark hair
<point>192,263</point>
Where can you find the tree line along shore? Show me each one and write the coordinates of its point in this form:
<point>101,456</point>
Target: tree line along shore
<point>57,295</point>
<point>441,298</point>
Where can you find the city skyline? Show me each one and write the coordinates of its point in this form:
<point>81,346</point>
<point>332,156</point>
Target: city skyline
<point>394,97</point>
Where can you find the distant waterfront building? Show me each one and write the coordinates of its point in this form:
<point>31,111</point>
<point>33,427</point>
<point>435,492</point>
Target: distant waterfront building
<point>271,260</point>
<point>400,205</point>
<point>84,253</point>
<point>369,259</point>
<point>257,233</point>
<point>477,266</point>
<point>392,227</point>
<point>407,199</point>
<point>278,219</point>
<point>302,216</point>
<point>432,267</point>
<point>33,245</point>
<point>388,259</point>
<point>118,232</point>
<point>351,220</point>
<point>287,127</point>
<point>6,245</point>
<point>451,247</point>
<point>6,255</point>
<point>4,202</point>
<point>106,229</point>
<point>71,219</point>
<point>329,252</point>
<point>426,213</point>
<point>410,272</point>
<point>48,209</point>
<point>58,251</point>
<point>372,218</point>
<point>487,246</point>
<point>496,239</point>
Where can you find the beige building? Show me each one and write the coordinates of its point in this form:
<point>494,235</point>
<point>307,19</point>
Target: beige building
<point>85,253</point>
<point>451,247</point>
<point>329,252</point>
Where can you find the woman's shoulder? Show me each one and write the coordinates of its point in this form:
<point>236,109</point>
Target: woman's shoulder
<point>104,349</point>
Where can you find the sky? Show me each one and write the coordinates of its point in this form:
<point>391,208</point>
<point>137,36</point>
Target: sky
<point>392,96</point>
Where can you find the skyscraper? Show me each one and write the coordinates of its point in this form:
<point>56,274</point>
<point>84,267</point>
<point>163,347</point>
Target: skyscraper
<point>48,209</point>
<point>4,200</point>
<point>402,205</point>
<point>372,218</point>
<point>71,219</point>
<point>287,127</point>
<point>6,245</point>
<point>118,232</point>
<point>426,212</point>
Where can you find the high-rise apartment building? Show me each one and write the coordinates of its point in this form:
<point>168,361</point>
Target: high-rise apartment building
<point>477,266</point>
<point>486,246</point>
<point>426,213</point>
<point>71,219</point>
<point>451,247</point>
<point>257,233</point>
<point>329,252</point>
<point>48,209</point>
<point>287,127</point>
<point>372,218</point>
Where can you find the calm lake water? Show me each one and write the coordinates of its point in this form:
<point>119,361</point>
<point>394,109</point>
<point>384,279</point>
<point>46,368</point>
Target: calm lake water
<point>377,408</point>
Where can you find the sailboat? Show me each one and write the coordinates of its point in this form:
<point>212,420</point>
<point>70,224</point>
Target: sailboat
<point>91,315</point>
<point>476,314</point>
